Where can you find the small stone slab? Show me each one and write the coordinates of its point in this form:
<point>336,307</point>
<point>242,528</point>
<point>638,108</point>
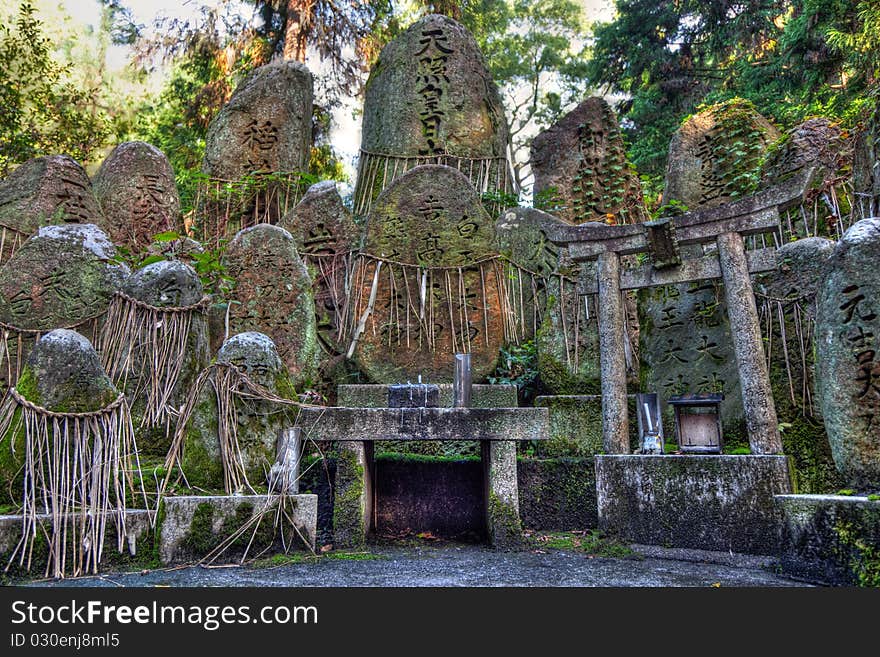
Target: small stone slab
<point>176,541</point>
<point>370,424</point>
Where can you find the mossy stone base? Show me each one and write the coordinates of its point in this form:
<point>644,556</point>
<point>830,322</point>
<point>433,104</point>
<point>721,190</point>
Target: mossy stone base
<point>557,494</point>
<point>191,527</point>
<point>138,544</point>
<point>350,500</point>
<point>831,538</point>
<point>722,503</point>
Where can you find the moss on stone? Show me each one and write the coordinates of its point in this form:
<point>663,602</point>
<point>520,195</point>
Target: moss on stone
<point>349,527</point>
<point>505,527</point>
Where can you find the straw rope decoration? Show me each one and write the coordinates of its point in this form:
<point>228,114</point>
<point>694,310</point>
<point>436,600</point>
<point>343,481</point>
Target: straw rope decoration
<point>410,302</point>
<point>147,344</point>
<point>332,283</point>
<point>233,389</point>
<point>10,241</point>
<point>224,207</point>
<point>791,315</point>
<point>378,170</point>
<point>78,469</point>
<point>14,341</point>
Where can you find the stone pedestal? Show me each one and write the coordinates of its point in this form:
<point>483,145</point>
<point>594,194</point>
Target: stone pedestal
<point>721,503</point>
<point>191,526</point>
<point>493,415</point>
<point>831,538</point>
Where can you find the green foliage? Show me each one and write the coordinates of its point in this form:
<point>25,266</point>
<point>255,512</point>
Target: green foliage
<point>791,58</point>
<point>592,542</point>
<point>518,366</point>
<point>43,111</point>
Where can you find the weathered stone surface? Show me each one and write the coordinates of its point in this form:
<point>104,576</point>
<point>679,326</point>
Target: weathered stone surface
<point>137,194</point>
<point>273,295</point>
<point>168,284</point>
<point>686,343</point>
<point>368,424</point>
<point>557,494</point>
<point>325,235</point>
<point>789,293</point>
<point>51,189</point>
<point>137,541</point>
<point>193,526</point>
<point>352,501</point>
<point>801,267</point>
<point>712,151</point>
<point>847,366</point>
<point>64,374</point>
<point>60,277</point>
<point>521,236</point>
<point>503,523</point>
<point>831,538</point>
<point>431,96</point>
<point>722,503</point>
<point>575,428</point>
<point>376,396</point>
<point>260,423</point>
<point>817,142</point>
<point>266,125</point>
<point>687,346</point>
<point>429,219</point>
<point>866,168</point>
<point>256,355</point>
<point>430,93</point>
<point>581,170</point>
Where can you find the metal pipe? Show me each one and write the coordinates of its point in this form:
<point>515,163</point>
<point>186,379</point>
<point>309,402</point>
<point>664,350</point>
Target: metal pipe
<point>462,381</point>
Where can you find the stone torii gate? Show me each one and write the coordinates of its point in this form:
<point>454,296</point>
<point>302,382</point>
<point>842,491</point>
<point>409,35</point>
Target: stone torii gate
<point>600,248</point>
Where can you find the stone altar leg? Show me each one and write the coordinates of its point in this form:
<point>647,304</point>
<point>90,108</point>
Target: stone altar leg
<point>757,395</point>
<point>352,504</point>
<point>615,421</point>
<point>502,496</point>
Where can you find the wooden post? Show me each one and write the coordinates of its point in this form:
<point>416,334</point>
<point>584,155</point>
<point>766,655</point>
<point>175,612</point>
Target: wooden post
<point>612,356</point>
<point>745,330</point>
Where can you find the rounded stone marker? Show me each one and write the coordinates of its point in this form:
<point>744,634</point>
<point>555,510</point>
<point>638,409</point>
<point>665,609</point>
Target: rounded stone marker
<point>44,190</point>
<point>435,242</point>
<point>273,294</point>
<point>702,170</point>
<point>259,423</point>
<point>431,98</point>
<point>265,126</point>
<point>847,361</point>
<point>166,283</point>
<point>137,193</point>
<point>61,276</point>
<point>325,236</point>
<point>580,164</point>
<point>64,374</point>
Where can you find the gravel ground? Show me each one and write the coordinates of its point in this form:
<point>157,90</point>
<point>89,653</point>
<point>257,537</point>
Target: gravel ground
<point>459,565</point>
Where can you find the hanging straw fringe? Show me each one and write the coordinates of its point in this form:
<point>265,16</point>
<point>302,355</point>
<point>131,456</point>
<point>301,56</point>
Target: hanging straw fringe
<point>147,343</point>
<point>10,241</point>
<point>378,170</point>
<point>419,297</point>
<point>224,207</point>
<point>78,469</point>
<point>231,388</point>
<point>15,342</point>
<point>791,314</point>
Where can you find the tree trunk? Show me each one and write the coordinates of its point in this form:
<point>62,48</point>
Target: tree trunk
<point>296,31</point>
